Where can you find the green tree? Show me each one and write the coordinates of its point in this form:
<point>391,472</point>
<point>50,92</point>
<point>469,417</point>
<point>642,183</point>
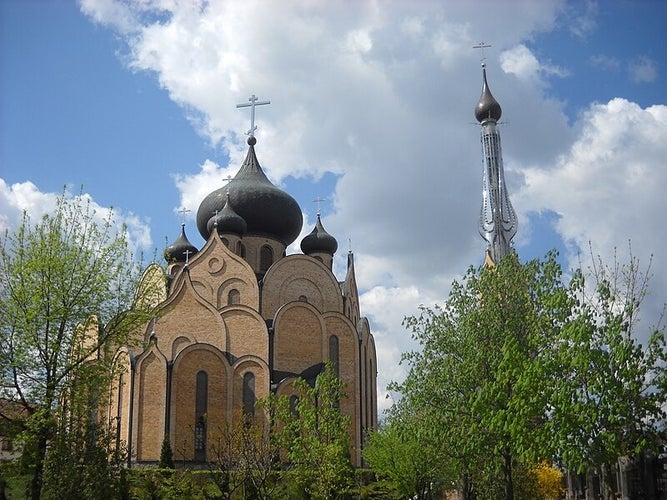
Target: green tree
<point>408,451</point>
<point>314,434</point>
<point>244,457</point>
<point>67,284</point>
<point>479,370</point>
<point>521,366</point>
<point>166,455</point>
<point>608,389</point>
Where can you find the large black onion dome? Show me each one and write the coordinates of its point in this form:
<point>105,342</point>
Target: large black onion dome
<point>266,209</point>
<point>227,221</point>
<point>176,252</point>
<point>487,107</point>
<point>319,240</point>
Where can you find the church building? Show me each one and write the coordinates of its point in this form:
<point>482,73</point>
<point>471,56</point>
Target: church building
<point>239,319</point>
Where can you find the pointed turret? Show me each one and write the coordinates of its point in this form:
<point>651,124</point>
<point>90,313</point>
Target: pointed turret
<point>227,221</point>
<point>180,249</point>
<point>320,244</point>
<point>487,108</point>
<point>319,241</point>
<point>497,221</point>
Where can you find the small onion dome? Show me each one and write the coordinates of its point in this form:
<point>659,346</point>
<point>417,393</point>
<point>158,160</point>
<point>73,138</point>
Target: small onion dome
<point>487,108</point>
<point>227,221</point>
<point>319,241</point>
<point>176,252</point>
<point>267,210</point>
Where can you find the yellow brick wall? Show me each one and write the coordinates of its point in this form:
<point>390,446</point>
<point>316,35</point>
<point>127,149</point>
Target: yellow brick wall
<point>298,275</point>
<point>297,338</point>
<point>184,378</point>
<point>150,399</point>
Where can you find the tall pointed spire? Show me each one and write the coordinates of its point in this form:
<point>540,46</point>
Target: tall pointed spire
<point>497,220</point>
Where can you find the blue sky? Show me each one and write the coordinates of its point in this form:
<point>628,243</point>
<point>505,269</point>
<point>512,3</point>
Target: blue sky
<point>371,109</point>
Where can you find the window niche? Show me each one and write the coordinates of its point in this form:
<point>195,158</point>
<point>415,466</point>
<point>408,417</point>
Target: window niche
<point>249,394</point>
<point>201,407</point>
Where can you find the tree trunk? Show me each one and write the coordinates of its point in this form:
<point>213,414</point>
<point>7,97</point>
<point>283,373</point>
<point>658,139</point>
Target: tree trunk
<point>509,483</point>
<point>38,474</point>
<point>607,480</point>
<point>466,488</point>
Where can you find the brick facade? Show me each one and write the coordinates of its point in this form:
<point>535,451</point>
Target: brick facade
<point>237,323</point>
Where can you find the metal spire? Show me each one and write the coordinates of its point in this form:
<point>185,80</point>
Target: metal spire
<point>253,101</point>
<point>497,221</point>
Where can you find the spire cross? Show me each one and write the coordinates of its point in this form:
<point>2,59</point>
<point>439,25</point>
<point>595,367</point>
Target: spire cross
<point>183,211</point>
<point>215,220</point>
<point>253,102</point>
<point>227,179</point>
<point>481,46</point>
<point>319,200</point>
<point>187,256</point>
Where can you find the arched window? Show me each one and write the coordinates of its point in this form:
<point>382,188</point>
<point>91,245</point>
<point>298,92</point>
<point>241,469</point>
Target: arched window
<point>303,298</point>
<point>265,258</point>
<point>233,297</point>
<point>225,241</point>
<point>119,409</point>
<point>334,355</point>
<point>249,394</point>
<point>201,404</point>
<point>240,250</point>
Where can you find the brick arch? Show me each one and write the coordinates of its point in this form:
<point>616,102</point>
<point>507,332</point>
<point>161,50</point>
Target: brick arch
<point>262,380</point>
<point>191,361</point>
<point>299,275</point>
<point>298,338</point>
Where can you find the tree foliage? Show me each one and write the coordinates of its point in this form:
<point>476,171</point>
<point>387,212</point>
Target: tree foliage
<point>313,434</point>
<point>521,365</point>
<point>67,284</point>
<point>245,458</point>
<point>409,452</point>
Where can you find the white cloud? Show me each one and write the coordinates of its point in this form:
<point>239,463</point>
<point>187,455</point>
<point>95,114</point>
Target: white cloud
<point>643,70</point>
<point>582,17</point>
<point>608,187</point>
<point>522,63</point>
<point>26,197</point>
<point>606,62</point>
<point>382,97</point>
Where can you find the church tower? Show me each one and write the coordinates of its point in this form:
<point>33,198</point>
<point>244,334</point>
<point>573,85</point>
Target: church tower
<point>497,220</point>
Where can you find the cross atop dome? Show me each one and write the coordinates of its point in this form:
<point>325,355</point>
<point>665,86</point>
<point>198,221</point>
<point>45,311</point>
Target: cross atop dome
<point>253,101</point>
<point>481,46</point>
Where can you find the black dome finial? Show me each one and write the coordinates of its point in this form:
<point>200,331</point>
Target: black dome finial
<point>319,240</point>
<point>487,107</point>
<point>180,249</point>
